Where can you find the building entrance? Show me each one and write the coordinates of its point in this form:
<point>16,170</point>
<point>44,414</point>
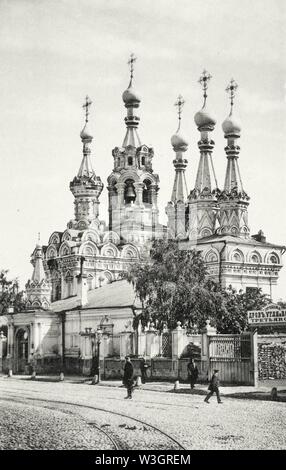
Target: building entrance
<point>22,350</point>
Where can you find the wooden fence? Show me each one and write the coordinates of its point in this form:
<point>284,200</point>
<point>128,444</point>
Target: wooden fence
<point>232,356</point>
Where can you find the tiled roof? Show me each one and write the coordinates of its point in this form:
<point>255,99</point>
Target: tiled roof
<point>230,239</point>
<point>116,294</point>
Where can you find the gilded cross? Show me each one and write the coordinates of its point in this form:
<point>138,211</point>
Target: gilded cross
<point>231,89</point>
<point>131,63</point>
<point>39,237</point>
<point>203,80</point>
<point>86,106</point>
<point>179,104</point>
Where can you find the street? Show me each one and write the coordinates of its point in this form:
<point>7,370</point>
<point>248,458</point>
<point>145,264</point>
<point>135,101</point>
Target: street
<point>43,414</point>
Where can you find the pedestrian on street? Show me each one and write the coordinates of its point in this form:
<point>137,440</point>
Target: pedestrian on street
<point>143,367</point>
<point>193,373</point>
<point>128,379</point>
<point>214,387</point>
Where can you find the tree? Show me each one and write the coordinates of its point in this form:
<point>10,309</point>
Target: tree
<point>232,308</point>
<point>10,294</point>
<point>173,286</point>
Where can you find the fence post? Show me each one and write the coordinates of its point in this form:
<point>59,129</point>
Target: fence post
<point>152,341</point>
<point>254,357</point>
<point>125,346</point>
<point>141,340</point>
<point>207,332</point>
<point>177,341</point>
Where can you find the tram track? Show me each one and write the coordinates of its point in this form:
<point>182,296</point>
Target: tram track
<point>122,430</point>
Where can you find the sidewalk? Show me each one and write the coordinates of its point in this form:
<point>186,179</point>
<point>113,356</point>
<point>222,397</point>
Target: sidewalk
<point>235,391</point>
<point>242,391</point>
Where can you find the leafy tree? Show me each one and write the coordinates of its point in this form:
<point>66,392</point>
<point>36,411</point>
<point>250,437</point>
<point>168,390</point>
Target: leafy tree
<point>232,308</point>
<point>173,286</point>
<point>10,294</point>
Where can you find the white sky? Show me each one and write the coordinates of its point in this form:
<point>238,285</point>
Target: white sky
<point>54,52</point>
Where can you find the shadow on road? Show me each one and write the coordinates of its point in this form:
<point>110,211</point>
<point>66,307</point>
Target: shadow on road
<point>255,395</point>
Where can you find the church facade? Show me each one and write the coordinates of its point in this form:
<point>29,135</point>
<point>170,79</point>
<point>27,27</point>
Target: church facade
<point>76,299</point>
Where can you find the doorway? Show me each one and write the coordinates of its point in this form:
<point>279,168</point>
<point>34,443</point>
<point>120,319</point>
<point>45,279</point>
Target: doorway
<point>22,350</point>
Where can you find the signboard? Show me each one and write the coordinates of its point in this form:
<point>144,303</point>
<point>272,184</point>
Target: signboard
<point>266,317</point>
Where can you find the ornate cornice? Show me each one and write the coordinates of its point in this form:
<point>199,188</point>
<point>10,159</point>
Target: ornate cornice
<point>206,193</point>
<point>232,195</point>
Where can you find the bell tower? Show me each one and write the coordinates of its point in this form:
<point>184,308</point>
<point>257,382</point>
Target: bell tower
<point>132,185</point>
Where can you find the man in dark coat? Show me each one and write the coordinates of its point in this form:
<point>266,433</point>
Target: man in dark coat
<point>193,373</point>
<point>214,387</point>
<point>128,380</point>
<point>143,367</point>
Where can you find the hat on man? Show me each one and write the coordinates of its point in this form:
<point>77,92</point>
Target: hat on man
<point>216,370</point>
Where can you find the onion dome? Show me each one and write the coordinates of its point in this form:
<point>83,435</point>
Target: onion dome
<point>131,98</point>
<point>85,135</point>
<point>231,126</point>
<point>179,142</point>
<point>204,120</point>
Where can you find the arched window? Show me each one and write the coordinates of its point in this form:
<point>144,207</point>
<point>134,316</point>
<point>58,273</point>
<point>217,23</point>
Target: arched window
<point>51,253</point>
<point>147,195</point>
<point>254,259</point>
<point>273,259</point>
<point>211,257</point>
<point>130,161</point>
<point>143,161</point>
<point>237,257</point>
<point>57,292</point>
<point>69,284</point>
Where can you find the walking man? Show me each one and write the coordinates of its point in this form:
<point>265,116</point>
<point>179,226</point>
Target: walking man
<point>214,387</point>
<point>128,380</point>
<point>193,373</point>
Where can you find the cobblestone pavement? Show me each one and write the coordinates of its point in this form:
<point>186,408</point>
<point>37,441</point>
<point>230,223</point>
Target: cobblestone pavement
<point>26,427</point>
<point>236,424</point>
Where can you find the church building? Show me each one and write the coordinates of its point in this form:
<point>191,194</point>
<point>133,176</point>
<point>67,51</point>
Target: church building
<point>214,220</point>
<point>76,299</point>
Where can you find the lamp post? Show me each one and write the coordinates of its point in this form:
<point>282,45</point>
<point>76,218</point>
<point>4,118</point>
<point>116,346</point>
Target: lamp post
<point>99,337</point>
<point>95,336</point>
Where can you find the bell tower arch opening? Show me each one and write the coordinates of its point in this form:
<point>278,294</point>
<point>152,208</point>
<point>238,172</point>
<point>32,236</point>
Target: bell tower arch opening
<point>129,192</point>
<point>147,194</point>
